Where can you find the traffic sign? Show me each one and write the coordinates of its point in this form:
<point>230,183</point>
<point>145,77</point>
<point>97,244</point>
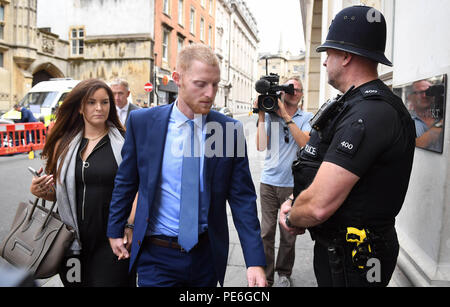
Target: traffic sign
<point>148,87</point>
<point>165,80</point>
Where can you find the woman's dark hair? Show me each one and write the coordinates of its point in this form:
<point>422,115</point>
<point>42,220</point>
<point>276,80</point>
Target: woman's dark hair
<point>69,122</point>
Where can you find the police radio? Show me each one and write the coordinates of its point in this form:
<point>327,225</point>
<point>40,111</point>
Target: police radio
<point>328,110</point>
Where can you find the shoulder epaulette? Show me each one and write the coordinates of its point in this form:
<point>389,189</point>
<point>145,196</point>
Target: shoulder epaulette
<point>368,92</point>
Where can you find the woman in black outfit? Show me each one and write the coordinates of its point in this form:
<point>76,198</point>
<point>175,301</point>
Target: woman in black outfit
<point>83,154</point>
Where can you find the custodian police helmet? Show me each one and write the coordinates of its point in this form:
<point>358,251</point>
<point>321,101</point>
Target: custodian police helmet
<point>360,30</point>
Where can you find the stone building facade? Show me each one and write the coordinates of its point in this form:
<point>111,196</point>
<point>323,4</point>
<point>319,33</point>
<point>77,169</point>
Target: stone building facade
<point>284,64</point>
<point>76,39</point>
<point>236,46</point>
<point>136,40</point>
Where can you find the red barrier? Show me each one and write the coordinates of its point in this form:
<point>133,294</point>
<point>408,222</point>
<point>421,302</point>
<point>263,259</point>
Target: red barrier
<point>23,137</point>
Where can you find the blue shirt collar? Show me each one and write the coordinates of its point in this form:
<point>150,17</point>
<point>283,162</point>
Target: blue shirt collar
<point>179,118</point>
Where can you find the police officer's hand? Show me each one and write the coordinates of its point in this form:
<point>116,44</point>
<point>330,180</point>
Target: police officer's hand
<point>284,210</point>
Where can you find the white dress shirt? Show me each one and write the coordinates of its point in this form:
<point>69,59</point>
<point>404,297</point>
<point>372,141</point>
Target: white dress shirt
<point>122,113</point>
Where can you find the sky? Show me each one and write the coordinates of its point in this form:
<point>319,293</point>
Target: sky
<point>275,18</point>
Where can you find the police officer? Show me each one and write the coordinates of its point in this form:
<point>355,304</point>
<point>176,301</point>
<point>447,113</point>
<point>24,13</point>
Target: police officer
<point>352,176</point>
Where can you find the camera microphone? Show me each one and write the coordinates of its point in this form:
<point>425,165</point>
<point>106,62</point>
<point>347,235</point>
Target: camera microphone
<point>262,86</point>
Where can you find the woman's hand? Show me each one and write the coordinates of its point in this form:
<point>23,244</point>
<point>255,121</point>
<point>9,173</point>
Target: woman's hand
<point>128,238</point>
<point>43,187</point>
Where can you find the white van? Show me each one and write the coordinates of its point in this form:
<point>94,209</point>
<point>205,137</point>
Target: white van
<point>43,98</point>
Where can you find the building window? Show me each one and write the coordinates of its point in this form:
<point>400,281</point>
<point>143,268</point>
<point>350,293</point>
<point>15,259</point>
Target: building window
<point>1,59</point>
<point>181,12</point>
<point>180,43</point>
<point>2,21</point>
<point>203,2</point>
<point>192,21</point>
<point>211,4</point>
<point>202,29</point>
<point>166,7</point>
<point>77,36</point>
<point>210,35</point>
<point>165,46</point>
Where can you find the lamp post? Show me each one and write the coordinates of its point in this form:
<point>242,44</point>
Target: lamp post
<point>226,91</point>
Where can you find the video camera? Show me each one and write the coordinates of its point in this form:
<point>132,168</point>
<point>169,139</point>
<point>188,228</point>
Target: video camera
<point>270,92</point>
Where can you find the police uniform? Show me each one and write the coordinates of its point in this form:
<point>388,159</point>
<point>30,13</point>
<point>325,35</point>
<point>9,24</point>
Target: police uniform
<point>371,135</point>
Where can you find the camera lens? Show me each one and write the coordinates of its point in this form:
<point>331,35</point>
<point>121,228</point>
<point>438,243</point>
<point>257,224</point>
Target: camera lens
<point>268,103</point>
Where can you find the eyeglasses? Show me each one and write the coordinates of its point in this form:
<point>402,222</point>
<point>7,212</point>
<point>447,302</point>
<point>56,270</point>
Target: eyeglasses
<point>419,92</point>
<point>286,134</point>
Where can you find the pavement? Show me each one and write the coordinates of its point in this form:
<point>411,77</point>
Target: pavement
<point>303,273</point>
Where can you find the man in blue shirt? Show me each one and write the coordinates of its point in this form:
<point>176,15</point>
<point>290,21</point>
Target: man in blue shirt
<point>428,119</point>
<point>282,134</point>
<point>180,233</point>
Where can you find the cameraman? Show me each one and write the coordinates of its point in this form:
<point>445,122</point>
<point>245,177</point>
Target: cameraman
<point>429,123</point>
<point>276,180</point>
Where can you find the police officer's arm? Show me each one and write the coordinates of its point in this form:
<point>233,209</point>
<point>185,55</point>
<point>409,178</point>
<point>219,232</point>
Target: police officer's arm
<point>323,197</point>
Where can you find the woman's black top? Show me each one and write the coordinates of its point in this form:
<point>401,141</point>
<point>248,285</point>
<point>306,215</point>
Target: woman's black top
<point>94,185</point>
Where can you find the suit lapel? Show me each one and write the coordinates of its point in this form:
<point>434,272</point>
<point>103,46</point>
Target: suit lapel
<point>157,138</point>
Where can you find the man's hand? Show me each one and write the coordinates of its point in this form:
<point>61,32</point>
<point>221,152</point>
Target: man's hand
<point>256,276</point>
<point>281,112</point>
<point>255,104</point>
<point>284,210</point>
<point>118,248</point>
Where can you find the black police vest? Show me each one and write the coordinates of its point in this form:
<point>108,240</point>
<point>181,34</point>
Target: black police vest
<point>310,157</point>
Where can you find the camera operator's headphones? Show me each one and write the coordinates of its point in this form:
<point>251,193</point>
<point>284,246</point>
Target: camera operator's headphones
<point>359,30</point>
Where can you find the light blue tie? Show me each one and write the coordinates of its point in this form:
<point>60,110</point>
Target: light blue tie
<point>190,189</point>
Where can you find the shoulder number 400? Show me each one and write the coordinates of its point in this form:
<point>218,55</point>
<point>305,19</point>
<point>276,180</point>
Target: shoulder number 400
<point>347,145</point>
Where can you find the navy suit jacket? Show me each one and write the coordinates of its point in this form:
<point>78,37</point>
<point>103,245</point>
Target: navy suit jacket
<point>226,177</point>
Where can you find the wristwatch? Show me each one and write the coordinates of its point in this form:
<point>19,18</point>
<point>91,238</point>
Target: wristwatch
<point>288,224</point>
<point>290,122</point>
<point>130,226</point>
<point>291,199</point>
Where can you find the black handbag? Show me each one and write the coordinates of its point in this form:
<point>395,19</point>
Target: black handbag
<point>38,240</point>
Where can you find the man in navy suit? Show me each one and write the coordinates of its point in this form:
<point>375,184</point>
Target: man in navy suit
<point>26,115</point>
<point>165,251</point>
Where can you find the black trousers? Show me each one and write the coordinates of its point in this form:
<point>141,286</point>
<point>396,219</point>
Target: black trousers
<point>377,273</point>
